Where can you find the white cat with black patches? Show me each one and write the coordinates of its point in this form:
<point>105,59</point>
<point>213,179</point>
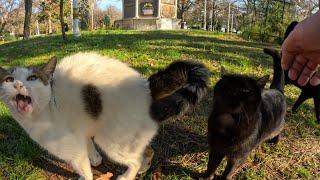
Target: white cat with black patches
<point>86,95</point>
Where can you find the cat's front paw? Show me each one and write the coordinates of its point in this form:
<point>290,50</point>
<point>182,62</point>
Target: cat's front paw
<point>95,159</point>
<point>147,158</point>
<point>121,178</point>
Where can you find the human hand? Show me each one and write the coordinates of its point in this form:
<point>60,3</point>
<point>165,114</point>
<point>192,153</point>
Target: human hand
<point>301,51</point>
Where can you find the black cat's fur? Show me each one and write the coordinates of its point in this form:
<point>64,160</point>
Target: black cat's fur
<point>177,88</point>
<point>243,116</point>
<point>307,91</point>
<point>290,28</point>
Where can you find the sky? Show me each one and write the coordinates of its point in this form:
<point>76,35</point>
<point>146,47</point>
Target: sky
<point>103,4</point>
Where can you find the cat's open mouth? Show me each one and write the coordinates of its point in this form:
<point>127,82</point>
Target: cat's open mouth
<point>23,102</point>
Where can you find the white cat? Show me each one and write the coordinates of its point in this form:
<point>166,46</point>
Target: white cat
<point>86,95</point>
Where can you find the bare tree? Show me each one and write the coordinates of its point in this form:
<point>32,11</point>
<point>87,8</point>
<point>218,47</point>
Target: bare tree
<point>113,13</point>
<point>6,8</point>
<point>99,18</point>
<point>183,7</point>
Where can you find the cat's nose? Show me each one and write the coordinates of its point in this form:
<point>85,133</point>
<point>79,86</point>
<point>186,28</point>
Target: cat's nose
<point>18,85</point>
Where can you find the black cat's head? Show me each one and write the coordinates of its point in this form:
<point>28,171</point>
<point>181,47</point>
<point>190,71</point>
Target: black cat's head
<point>234,93</point>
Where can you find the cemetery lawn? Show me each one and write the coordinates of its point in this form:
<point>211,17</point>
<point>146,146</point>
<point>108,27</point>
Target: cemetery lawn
<point>180,147</point>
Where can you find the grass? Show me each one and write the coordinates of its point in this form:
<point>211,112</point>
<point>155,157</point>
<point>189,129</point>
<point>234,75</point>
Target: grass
<point>180,147</point>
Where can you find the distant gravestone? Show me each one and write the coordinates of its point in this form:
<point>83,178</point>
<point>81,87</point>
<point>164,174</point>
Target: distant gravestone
<point>148,15</point>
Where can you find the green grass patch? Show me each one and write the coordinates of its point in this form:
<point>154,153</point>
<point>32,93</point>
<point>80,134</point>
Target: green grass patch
<point>181,146</point>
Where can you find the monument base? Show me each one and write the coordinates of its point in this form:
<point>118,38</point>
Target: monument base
<point>148,23</point>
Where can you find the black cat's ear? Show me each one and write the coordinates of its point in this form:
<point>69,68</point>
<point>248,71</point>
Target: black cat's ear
<point>223,71</point>
<point>50,66</point>
<point>262,81</point>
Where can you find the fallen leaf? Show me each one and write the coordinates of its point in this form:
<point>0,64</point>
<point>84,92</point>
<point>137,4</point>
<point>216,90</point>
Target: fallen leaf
<point>157,174</point>
<point>3,136</point>
<point>105,176</point>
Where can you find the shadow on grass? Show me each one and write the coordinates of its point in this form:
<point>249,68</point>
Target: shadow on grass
<point>169,45</point>
<point>172,141</point>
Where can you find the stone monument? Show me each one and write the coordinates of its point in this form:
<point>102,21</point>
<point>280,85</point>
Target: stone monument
<point>148,15</point>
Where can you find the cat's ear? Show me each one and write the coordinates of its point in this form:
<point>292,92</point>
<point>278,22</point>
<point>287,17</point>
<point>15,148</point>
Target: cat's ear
<point>3,74</point>
<point>262,81</point>
<point>3,71</point>
<point>223,71</point>
<point>50,66</point>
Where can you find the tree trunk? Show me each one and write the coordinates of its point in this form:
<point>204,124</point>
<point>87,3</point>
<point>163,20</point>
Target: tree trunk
<point>3,22</point>
<point>92,14</point>
<point>37,28</point>
<point>182,20</point>
<point>212,15</point>
<point>2,26</point>
<point>49,24</point>
<point>62,20</point>
<point>284,3</point>
<point>266,15</point>
<point>75,28</point>
<point>27,19</point>
<point>231,28</point>
<point>254,12</point>
<point>229,9</point>
<point>71,14</point>
<point>205,15</point>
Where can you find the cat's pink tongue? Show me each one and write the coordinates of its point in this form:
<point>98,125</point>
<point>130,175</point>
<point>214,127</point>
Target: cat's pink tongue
<point>23,105</point>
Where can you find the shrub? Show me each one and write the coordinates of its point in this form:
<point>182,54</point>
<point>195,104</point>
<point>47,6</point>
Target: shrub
<point>106,21</point>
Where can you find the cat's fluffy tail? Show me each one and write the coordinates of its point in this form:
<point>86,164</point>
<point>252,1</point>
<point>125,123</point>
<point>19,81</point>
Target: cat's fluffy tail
<point>177,88</point>
<point>278,73</point>
<point>290,28</point>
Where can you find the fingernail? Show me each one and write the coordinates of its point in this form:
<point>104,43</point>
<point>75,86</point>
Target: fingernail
<point>303,81</point>
<point>315,81</point>
<point>284,66</point>
<point>292,74</point>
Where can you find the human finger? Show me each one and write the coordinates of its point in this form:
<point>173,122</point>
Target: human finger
<point>307,73</point>
<point>287,59</point>
<point>297,67</point>
<point>315,80</point>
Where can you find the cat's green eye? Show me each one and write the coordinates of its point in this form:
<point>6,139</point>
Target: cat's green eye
<point>9,79</point>
<point>32,78</point>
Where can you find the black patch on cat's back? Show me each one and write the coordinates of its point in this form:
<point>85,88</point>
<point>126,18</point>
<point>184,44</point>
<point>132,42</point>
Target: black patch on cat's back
<point>92,100</point>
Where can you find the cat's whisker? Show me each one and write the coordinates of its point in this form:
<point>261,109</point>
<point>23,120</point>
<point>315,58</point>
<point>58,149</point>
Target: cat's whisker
<point>3,96</point>
<point>35,103</point>
<point>246,114</point>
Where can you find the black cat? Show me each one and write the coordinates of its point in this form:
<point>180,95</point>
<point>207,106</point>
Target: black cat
<point>290,28</point>
<point>307,91</point>
<point>243,116</point>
